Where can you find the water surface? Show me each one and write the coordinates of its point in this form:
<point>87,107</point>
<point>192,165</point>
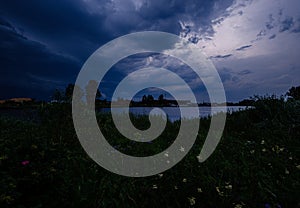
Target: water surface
<point>173,113</point>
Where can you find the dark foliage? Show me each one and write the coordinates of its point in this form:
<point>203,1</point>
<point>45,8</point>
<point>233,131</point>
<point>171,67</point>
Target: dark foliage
<point>255,165</point>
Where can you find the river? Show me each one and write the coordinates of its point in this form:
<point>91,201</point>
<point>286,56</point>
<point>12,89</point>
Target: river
<point>173,113</point>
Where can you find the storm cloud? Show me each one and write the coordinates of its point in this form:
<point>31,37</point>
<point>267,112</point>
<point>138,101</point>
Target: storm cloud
<point>45,43</point>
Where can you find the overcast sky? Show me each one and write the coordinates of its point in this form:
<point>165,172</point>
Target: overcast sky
<point>254,44</point>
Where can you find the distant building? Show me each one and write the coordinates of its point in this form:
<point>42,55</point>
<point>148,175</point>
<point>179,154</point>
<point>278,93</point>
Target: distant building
<point>21,100</point>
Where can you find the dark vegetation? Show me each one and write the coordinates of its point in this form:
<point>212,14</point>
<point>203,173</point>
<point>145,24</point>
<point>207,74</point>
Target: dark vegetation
<point>256,164</point>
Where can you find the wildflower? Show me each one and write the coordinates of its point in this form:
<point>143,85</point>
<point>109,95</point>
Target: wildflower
<point>239,205</point>
<point>35,173</point>
<point>184,180</point>
<point>228,186</point>
<point>154,186</point>
<point>34,146</point>
<point>181,149</point>
<point>52,169</point>
<point>277,149</point>
<point>298,167</point>
<point>7,199</point>
<point>290,157</point>
<point>200,159</point>
<point>287,171</point>
<point>199,190</point>
<point>192,200</point>
<point>252,151</point>
<point>262,142</point>
<point>12,185</point>
<point>219,192</point>
<point>175,187</point>
<point>264,150</point>
<point>166,154</point>
<point>160,175</point>
<point>25,162</point>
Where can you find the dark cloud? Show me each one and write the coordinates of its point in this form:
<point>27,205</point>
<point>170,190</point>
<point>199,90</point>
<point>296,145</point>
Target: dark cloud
<point>261,33</point>
<point>228,75</point>
<point>44,43</point>
<point>271,23</point>
<point>286,24</point>
<point>63,25</point>
<point>29,66</point>
<point>272,37</point>
<point>244,72</point>
<point>229,12</point>
<point>296,28</point>
<point>80,27</point>
<point>221,56</point>
<point>243,47</point>
<point>225,74</point>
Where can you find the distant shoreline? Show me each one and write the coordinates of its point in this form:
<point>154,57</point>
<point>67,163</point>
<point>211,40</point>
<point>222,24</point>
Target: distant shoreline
<point>108,105</point>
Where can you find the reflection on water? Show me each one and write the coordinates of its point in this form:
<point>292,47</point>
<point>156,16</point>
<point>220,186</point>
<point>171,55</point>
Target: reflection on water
<point>173,113</point>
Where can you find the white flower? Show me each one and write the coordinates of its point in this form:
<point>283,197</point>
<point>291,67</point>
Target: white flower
<point>219,192</point>
<point>192,200</point>
<point>199,190</point>
<point>228,186</point>
<point>200,159</point>
<point>287,171</point>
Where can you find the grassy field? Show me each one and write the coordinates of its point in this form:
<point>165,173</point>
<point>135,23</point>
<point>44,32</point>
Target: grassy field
<point>256,164</point>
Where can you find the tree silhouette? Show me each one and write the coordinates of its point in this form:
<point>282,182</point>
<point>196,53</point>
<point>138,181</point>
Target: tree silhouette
<point>144,99</point>
<point>69,92</point>
<point>294,92</point>
<point>150,99</point>
<point>161,98</point>
<point>57,95</point>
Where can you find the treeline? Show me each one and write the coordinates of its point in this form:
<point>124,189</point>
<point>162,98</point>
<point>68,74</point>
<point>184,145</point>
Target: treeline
<point>149,100</point>
<point>65,96</point>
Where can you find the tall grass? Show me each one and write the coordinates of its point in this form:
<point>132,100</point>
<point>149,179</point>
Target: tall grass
<point>256,164</point>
